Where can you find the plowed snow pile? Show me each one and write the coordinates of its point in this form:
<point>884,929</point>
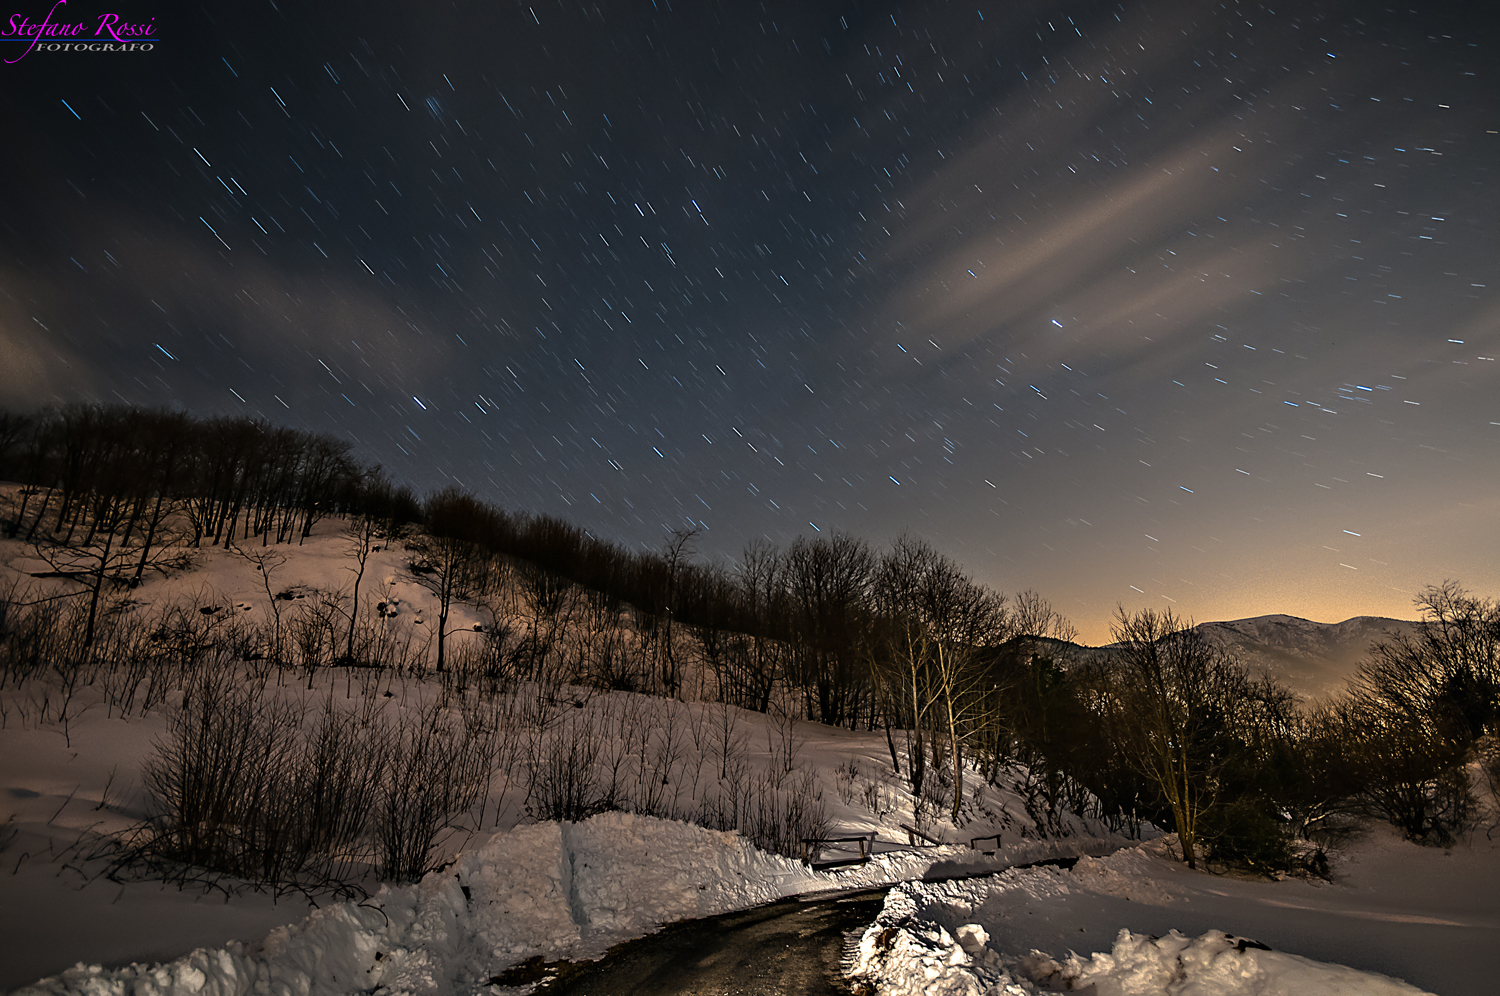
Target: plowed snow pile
<point>1214,963</point>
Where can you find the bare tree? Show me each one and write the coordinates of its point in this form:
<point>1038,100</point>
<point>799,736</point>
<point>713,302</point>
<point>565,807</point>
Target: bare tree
<point>1176,704</point>
<point>547,599</point>
<point>1033,615</point>
<point>756,657</point>
<point>679,547</point>
<point>940,623</point>
<point>1423,707</point>
<point>165,452</point>
<point>364,535</point>
<point>266,564</point>
<point>32,438</point>
<point>107,489</point>
<point>828,583</point>
<point>450,558</point>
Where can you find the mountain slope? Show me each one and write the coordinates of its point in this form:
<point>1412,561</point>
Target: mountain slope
<point>1313,659</point>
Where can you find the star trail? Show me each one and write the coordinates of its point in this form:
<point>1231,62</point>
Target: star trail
<point>1163,303</point>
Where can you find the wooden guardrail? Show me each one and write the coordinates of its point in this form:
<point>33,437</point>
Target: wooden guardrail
<point>810,843</point>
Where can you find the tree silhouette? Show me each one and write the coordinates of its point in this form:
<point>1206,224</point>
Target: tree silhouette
<point>451,559</point>
<point>1176,703</point>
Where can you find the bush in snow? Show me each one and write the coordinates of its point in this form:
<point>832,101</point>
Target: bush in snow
<point>436,768</point>
<point>220,780</point>
<point>247,783</point>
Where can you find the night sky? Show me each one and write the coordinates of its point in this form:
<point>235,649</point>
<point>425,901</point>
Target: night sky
<point>1169,304</point>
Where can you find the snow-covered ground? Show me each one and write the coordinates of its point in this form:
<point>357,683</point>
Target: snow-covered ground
<point>1138,923</point>
<point>513,887</point>
<point>1397,919</point>
<point>555,890</point>
<point>561,890</point>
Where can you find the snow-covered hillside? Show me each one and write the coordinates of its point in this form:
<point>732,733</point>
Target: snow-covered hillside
<point>75,756</point>
<point>514,881</point>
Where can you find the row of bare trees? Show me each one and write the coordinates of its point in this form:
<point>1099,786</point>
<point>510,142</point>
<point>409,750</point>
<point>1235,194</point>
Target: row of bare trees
<point>112,493</point>
<point>225,479</point>
<point>901,640</point>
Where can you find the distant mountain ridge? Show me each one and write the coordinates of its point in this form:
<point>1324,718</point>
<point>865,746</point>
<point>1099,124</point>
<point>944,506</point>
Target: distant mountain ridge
<point>1313,659</point>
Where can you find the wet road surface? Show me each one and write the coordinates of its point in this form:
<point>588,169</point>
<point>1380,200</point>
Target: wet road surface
<point>794,946</point>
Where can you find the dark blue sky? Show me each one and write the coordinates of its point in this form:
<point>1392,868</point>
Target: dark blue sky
<point>1172,304</point>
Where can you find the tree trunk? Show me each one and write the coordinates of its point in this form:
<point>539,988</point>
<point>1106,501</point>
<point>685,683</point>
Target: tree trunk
<point>958,759</point>
<point>88,636</point>
<point>156,517</point>
<point>442,630</point>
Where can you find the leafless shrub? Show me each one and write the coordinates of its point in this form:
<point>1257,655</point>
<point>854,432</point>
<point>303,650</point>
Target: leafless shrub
<point>660,751</point>
<point>844,777</point>
<point>880,799</point>
<point>490,658</point>
<point>314,630</point>
<point>636,753</point>
<point>779,820</point>
<point>246,783</point>
<point>218,777</point>
<point>729,743</point>
<point>728,804</point>
<point>382,637</point>
<point>38,635</point>
<point>144,657</point>
<point>564,771</point>
<point>786,744</point>
<point>337,789</point>
<point>436,769</point>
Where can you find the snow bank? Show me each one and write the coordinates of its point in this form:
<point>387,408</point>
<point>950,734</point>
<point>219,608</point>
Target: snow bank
<point>908,950</point>
<point>633,873</point>
<point>1215,964</point>
<point>542,889</point>
<point>921,944</point>
<point>1124,874</point>
<point>556,890</point>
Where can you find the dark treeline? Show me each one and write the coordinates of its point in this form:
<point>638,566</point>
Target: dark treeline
<point>221,480</point>
<point>968,686</point>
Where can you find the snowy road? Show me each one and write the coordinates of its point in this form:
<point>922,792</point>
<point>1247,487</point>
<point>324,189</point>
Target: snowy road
<point>785,947</point>
<point>795,945</point>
